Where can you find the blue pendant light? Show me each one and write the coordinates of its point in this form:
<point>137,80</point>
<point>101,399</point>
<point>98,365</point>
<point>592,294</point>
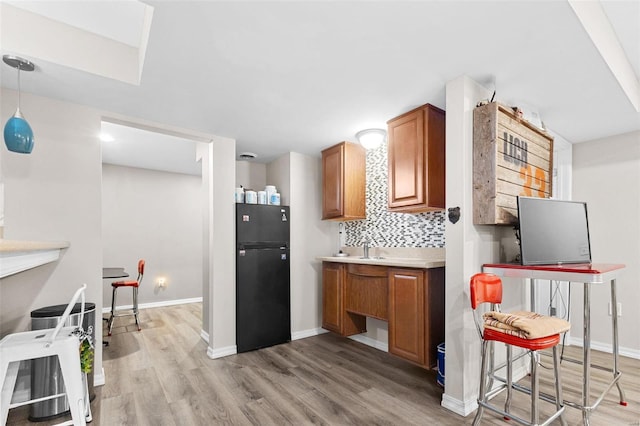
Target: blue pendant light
<point>18,135</point>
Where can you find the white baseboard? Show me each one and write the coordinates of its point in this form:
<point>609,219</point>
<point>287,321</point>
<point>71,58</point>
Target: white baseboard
<point>296,335</point>
<point>99,378</point>
<point>221,352</point>
<point>204,335</point>
<point>383,346</point>
<point>106,310</point>
<point>461,408</point>
<point>605,347</point>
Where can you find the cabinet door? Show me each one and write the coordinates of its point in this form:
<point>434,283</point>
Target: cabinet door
<point>332,182</point>
<point>406,160</point>
<point>416,154</point>
<point>334,315</point>
<point>343,182</point>
<point>407,314</point>
<point>434,314</point>
<point>332,282</point>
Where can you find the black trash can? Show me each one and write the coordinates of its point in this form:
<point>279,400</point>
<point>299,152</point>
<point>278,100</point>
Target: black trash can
<point>46,375</point>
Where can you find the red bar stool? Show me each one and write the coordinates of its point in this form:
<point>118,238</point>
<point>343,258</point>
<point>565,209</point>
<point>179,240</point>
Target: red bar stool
<point>134,285</point>
<point>487,288</point>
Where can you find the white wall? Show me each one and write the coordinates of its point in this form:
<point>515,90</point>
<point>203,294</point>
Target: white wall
<point>310,237</point>
<point>606,174</point>
<point>53,194</point>
<point>251,175</point>
<point>219,214</point>
<point>156,216</point>
<point>467,247</point>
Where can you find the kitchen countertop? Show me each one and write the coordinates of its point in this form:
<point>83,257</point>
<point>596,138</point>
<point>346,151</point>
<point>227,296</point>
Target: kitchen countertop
<point>423,258</point>
<point>22,246</point>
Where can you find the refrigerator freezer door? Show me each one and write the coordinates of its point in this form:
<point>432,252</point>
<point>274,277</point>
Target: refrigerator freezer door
<point>263,313</point>
<point>263,223</point>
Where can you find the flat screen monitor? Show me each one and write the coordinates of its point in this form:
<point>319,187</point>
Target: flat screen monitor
<point>553,231</point>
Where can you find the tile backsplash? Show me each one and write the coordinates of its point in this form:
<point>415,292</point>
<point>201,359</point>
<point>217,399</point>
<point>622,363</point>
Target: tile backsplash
<point>390,229</point>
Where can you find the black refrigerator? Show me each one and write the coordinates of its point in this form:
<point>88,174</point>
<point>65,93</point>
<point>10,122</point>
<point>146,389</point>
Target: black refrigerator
<point>263,301</point>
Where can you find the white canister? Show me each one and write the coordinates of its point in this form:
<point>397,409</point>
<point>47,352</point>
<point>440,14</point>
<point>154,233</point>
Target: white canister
<point>250,197</point>
<point>239,195</point>
<point>270,190</point>
<point>262,197</point>
<point>275,199</point>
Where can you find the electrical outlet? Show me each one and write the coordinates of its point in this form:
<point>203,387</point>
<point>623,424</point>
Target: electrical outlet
<point>619,309</point>
<point>552,311</point>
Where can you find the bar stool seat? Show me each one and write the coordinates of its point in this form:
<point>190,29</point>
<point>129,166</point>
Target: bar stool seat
<point>61,342</point>
<point>487,288</point>
<point>134,284</point>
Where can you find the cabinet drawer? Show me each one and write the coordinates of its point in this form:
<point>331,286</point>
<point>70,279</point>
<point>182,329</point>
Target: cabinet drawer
<point>367,291</point>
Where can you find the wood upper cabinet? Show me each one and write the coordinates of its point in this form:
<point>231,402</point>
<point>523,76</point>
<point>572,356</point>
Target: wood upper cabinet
<point>416,156</point>
<point>343,182</point>
<point>334,316</point>
<point>416,314</point>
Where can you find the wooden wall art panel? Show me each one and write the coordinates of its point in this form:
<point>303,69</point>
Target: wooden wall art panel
<point>511,157</point>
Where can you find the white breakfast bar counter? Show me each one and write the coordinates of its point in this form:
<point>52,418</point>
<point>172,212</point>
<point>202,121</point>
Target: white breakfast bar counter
<point>19,255</point>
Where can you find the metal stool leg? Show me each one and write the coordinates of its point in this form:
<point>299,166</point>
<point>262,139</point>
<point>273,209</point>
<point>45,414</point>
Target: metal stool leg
<point>558,383</point>
<point>135,306</point>
<point>8,376</point>
<point>535,392</point>
<point>482,398</point>
<point>113,309</point>
<point>507,403</point>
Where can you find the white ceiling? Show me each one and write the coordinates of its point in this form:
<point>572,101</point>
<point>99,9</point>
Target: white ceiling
<point>133,147</point>
<point>302,76</point>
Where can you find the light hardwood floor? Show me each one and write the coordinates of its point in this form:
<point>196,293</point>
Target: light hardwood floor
<point>162,376</point>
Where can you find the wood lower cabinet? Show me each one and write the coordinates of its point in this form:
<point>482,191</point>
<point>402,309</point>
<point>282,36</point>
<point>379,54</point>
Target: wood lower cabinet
<point>411,300</point>
<point>416,314</point>
<point>416,155</point>
<point>367,291</point>
<point>406,314</point>
<point>343,182</point>
<point>334,316</point>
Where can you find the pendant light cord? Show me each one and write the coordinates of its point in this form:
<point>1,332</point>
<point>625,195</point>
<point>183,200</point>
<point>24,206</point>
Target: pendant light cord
<point>19,68</point>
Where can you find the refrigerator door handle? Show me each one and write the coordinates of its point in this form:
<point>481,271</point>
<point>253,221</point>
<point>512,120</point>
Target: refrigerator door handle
<point>265,245</point>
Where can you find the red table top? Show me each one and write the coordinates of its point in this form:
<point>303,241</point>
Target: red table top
<point>575,268</point>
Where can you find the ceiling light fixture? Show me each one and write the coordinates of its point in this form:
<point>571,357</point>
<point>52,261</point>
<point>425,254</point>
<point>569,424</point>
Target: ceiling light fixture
<point>106,137</point>
<point>371,138</point>
<point>18,135</point>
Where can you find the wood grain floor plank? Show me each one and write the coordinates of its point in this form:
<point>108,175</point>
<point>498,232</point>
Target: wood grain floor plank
<point>162,376</point>
<point>152,408</point>
<point>118,410</point>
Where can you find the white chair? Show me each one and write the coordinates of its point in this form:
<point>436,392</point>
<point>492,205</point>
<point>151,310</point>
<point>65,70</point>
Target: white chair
<point>59,341</point>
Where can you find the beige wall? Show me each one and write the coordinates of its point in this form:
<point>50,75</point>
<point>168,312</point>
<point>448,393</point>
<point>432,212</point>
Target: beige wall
<point>606,174</point>
<point>54,194</point>
<point>310,237</point>
<point>156,216</point>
